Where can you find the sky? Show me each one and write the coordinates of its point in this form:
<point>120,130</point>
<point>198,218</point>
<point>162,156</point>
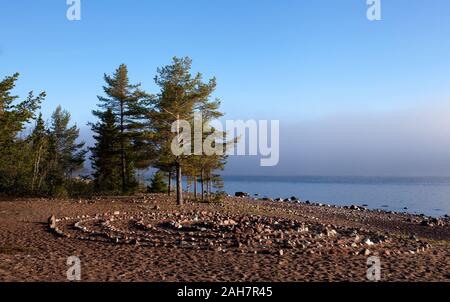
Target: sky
<point>353,97</point>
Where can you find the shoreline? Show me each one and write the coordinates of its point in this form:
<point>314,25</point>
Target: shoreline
<point>413,198</point>
<point>361,207</point>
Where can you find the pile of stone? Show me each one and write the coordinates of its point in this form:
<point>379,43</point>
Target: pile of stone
<point>221,232</point>
<point>432,222</point>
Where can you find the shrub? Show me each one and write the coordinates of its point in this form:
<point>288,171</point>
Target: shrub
<point>158,185</point>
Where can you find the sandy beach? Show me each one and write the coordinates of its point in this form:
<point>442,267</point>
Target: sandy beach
<point>150,238</point>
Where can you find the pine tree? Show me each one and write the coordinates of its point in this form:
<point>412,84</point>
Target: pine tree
<point>127,103</point>
<point>205,165</point>
<point>70,154</point>
<point>13,117</point>
<point>105,157</point>
<point>39,142</point>
<point>165,165</point>
<point>158,185</point>
<point>15,163</point>
<point>181,95</point>
<point>65,155</point>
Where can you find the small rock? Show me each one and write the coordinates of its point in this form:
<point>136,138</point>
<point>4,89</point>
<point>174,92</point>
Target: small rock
<point>228,222</point>
<point>368,242</point>
<point>413,237</point>
<point>427,223</point>
<point>331,233</point>
<point>241,194</point>
<point>52,222</point>
<point>365,252</point>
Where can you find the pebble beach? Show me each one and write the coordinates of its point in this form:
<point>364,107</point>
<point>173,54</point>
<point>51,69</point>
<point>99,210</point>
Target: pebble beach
<point>151,239</point>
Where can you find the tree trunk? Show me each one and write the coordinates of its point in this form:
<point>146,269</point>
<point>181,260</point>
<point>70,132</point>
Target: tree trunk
<point>179,185</point>
<point>195,186</point>
<point>202,182</point>
<point>36,169</point>
<point>169,184</point>
<point>188,186</point>
<point>211,188</point>
<point>207,189</point>
<point>122,147</point>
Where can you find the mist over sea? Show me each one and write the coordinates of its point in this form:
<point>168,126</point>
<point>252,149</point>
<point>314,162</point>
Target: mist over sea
<point>417,195</point>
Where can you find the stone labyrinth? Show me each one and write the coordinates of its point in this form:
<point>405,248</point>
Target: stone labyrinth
<point>227,233</point>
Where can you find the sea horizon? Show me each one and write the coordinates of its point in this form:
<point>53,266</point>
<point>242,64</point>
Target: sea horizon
<point>327,178</point>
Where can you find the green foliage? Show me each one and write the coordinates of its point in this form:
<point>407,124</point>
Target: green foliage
<point>127,104</point>
<point>41,163</point>
<point>182,95</point>
<point>65,156</point>
<point>14,116</point>
<point>158,185</point>
<point>219,196</point>
<point>79,187</point>
<point>15,169</point>
<point>105,157</point>
<point>15,152</point>
<point>39,144</point>
<point>133,131</point>
<point>68,153</point>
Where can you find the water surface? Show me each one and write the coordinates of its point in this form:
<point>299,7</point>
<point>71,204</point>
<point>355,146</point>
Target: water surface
<point>420,195</point>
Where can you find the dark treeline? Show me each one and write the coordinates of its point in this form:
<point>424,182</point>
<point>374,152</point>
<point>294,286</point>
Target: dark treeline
<point>133,132</point>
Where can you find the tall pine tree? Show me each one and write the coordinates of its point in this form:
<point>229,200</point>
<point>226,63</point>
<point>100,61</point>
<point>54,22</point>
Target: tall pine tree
<point>182,94</point>
<point>106,159</point>
<point>127,103</point>
<point>65,155</point>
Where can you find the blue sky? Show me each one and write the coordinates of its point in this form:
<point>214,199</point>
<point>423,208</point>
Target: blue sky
<point>292,60</point>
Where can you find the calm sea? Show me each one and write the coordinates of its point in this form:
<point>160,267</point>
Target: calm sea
<point>427,195</point>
